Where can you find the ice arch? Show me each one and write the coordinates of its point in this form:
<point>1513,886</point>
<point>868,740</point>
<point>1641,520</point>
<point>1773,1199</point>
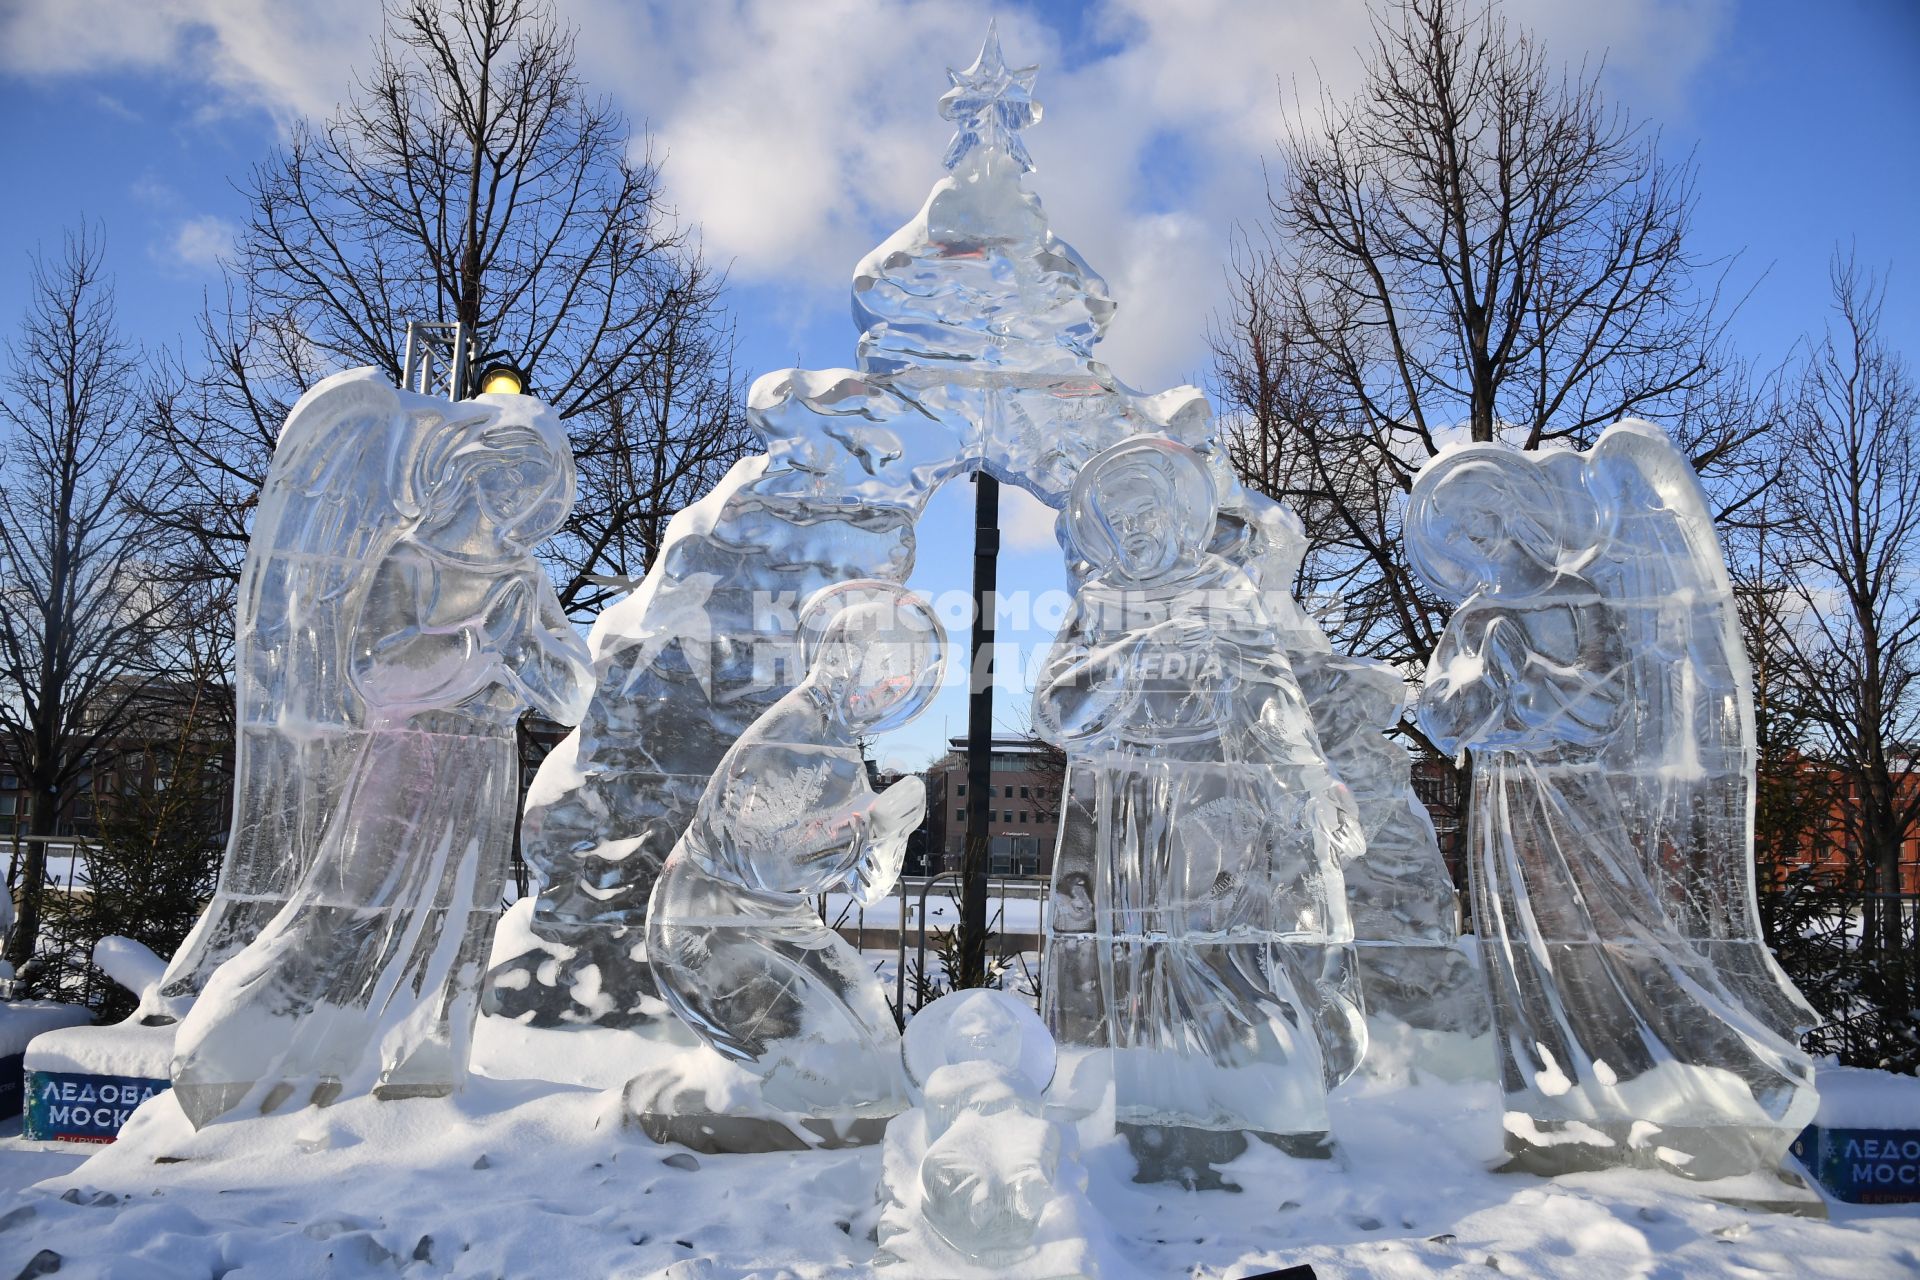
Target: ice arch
<point>975,354</point>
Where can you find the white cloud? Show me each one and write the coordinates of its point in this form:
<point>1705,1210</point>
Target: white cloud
<point>287,57</point>
<point>796,135</point>
<point>1026,522</point>
<point>203,241</point>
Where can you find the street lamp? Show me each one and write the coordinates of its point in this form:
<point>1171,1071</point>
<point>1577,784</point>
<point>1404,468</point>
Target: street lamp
<point>499,375</point>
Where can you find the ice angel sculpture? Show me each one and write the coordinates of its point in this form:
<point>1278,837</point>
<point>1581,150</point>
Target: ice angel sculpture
<point>737,947</point>
<point>1594,669</point>
<point>397,627</point>
<point>329,509</point>
<point>1201,837</point>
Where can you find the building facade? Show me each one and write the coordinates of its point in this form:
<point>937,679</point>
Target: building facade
<point>1023,802</point>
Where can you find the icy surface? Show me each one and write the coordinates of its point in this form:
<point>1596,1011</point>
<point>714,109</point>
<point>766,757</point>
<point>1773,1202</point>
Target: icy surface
<point>738,950</point>
<point>394,625</point>
<point>978,331</point>
<point>1594,669</point>
<point>978,1180</point>
<point>1400,896</point>
<point>1197,889</point>
<point>516,1179</point>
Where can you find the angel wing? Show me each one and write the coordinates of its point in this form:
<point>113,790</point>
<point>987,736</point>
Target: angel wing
<point>327,512</point>
<point>1682,763</point>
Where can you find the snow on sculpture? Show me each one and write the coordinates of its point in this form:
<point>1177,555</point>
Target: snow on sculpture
<point>396,625</point>
<point>1201,829</point>
<point>737,947</point>
<point>1594,668</point>
<point>977,1180</point>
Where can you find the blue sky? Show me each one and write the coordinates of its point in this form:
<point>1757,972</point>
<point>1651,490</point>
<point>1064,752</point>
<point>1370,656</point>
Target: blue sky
<point>798,135</point>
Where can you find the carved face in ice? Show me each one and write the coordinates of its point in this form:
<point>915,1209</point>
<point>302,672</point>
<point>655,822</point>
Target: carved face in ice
<point>1142,509</point>
<point>492,487</point>
<point>866,667</point>
<point>980,1025</point>
<point>879,655</point>
<point>984,1032</point>
<point>1483,521</point>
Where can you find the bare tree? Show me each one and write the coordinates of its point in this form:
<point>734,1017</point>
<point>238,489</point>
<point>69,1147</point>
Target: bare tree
<point>81,615</point>
<point>1474,247</point>
<point>471,178</point>
<point>1851,563</point>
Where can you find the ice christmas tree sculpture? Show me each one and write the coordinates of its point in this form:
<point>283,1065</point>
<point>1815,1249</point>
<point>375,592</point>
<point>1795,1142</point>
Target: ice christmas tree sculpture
<point>977,331</point>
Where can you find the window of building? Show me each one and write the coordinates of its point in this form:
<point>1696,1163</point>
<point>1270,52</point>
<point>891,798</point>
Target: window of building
<point>1023,793</point>
<point>961,789</point>
<point>1007,816</point>
<point>1023,815</point>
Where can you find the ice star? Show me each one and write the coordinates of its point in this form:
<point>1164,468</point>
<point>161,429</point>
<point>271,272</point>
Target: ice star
<point>989,104</point>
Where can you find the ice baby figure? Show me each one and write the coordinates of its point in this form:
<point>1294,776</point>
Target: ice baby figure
<point>737,948</point>
<point>978,1180</point>
<point>1197,882</point>
<point>1595,671</point>
<point>366,979</point>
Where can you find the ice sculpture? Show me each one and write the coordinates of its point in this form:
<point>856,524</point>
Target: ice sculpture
<point>1594,670</point>
<point>977,1180</point>
<point>394,626</point>
<point>1202,829</point>
<point>737,947</point>
<point>976,354</point>
<point>1400,896</point>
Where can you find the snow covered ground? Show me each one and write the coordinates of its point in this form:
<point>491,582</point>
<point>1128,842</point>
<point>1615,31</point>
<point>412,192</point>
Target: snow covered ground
<point>526,1179</point>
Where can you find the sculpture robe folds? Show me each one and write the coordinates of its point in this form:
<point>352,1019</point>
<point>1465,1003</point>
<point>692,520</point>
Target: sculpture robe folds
<point>1198,900</point>
<point>1595,670</point>
<point>367,976</point>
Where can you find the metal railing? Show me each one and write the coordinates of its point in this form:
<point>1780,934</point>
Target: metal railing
<point>913,922</point>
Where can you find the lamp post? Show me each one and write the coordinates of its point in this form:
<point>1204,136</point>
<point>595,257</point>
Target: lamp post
<point>439,358</point>
<point>977,859</point>
<point>500,374</point>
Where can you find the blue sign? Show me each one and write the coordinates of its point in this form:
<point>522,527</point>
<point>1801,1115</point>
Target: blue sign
<point>68,1107</point>
<point>1863,1166</point>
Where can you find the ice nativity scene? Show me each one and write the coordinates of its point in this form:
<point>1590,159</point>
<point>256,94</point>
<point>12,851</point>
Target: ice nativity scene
<point>1250,964</point>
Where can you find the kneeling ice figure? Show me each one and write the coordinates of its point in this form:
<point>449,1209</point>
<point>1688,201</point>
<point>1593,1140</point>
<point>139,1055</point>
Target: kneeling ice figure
<point>1595,669</point>
<point>977,1179</point>
<point>737,948</point>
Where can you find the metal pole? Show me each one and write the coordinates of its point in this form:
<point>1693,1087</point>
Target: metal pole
<point>978,856</point>
<point>900,961</point>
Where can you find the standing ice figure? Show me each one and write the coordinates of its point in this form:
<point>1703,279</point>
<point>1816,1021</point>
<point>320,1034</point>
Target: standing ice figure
<point>1594,668</point>
<point>367,977</point>
<point>738,950</point>
<point>1201,835</point>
